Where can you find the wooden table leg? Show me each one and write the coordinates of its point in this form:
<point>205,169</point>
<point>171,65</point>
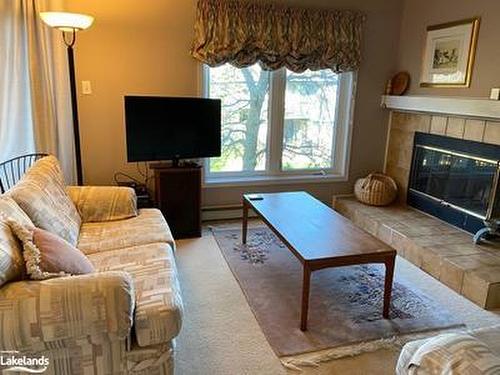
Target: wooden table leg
<point>245,221</point>
<point>389,275</point>
<point>305,298</point>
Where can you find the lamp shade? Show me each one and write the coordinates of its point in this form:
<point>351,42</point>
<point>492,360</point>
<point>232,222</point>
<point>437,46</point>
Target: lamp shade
<point>67,21</point>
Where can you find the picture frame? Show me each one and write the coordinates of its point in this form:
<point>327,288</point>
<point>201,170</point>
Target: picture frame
<point>449,53</point>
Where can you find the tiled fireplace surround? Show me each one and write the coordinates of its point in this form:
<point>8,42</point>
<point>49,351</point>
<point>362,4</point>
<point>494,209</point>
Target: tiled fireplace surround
<point>438,248</point>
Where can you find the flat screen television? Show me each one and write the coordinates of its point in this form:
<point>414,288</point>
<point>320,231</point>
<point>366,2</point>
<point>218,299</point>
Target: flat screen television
<point>170,128</point>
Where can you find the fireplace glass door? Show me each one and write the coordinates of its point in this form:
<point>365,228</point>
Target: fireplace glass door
<point>460,180</point>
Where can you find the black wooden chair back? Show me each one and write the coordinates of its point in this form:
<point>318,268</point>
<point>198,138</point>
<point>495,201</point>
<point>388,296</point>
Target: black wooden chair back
<point>12,170</point>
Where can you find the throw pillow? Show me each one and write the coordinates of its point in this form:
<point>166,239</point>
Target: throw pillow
<point>47,255</point>
<point>41,193</point>
<point>11,251</point>
<point>103,203</point>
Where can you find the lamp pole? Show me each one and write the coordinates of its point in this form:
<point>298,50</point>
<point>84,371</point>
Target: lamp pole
<point>74,104</point>
<point>69,24</point>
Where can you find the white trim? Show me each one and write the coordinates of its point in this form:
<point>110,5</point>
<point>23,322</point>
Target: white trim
<point>273,174</point>
<point>345,124</point>
<point>205,77</point>
<point>451,105</point>
<point>259,180</point>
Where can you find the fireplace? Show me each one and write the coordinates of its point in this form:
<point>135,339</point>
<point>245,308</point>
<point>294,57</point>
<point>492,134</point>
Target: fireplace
<point>457,181</point>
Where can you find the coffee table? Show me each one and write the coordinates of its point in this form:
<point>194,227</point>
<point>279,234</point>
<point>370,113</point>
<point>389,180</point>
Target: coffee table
<point>319,238</point>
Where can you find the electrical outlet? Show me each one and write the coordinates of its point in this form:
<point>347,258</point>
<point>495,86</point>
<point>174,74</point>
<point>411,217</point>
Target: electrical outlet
<point>86,88</point>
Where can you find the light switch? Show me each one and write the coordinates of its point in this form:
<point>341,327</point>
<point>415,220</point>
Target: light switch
<point>495,93</point>
<point>86,88</point>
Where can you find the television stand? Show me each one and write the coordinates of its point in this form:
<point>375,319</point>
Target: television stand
<point>178,196</point>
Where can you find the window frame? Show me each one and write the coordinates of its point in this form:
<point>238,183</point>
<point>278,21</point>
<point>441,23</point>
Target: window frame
<point>273,172</point>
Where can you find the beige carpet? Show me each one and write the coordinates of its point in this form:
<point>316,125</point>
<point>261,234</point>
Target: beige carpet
<point>221,336</point>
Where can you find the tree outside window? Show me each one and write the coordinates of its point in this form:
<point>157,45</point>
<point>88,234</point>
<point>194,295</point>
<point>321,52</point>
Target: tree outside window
<point>296,112</point>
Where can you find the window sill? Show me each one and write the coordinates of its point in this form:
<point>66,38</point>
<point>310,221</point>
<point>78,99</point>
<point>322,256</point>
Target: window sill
<point>232,181</point>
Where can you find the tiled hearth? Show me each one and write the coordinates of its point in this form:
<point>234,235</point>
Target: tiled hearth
<point>438,248</point>
<point>443,251</point>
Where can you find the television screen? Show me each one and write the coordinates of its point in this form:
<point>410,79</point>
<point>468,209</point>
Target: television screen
<point>168,128</point>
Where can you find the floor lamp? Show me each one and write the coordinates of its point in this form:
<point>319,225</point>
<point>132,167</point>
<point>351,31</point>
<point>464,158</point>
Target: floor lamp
<point>69,24</point>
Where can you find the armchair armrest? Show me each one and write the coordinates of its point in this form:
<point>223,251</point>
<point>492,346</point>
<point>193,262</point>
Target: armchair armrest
<point>34,313</point>
<point>103,203</point>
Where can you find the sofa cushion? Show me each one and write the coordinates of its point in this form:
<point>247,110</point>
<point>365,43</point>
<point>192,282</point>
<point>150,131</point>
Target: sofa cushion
<point>11,257</point>
<point>108,260</point>
<point>148,227</point>
<point>158,312</point>
<point>41,193</point>
<point>449,353</point>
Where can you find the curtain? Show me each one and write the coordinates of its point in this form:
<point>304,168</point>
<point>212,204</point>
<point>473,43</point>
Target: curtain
<point>35,107</point>
<point>243,33</point>
<point>16,120</point>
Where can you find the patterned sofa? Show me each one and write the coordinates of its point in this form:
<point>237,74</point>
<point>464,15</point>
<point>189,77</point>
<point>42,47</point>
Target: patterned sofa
<point>475,352</point>
<point>120,320</point>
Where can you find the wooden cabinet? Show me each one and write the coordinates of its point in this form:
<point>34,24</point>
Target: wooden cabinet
<point>178,196</point>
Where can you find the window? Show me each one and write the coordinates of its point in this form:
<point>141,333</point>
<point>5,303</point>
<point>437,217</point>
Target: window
<point>310,107</point>
<point>280,124</point>
<point>245,99</point>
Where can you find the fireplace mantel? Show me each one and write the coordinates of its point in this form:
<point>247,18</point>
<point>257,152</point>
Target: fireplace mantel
<point>450,105</point>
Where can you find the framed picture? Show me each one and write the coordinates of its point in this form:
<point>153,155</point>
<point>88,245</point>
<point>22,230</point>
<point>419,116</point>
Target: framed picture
<point>449,54</point>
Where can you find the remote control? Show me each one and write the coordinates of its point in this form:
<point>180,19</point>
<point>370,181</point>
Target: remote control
<point>255,197</point>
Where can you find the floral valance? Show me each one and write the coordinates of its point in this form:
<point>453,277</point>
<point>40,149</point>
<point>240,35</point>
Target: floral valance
<point>243,33</point>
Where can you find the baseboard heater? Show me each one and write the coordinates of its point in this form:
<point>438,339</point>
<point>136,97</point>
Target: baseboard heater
<point>226,212</point>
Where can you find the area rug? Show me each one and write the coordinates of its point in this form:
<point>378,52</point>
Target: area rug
<point>345,303</point>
